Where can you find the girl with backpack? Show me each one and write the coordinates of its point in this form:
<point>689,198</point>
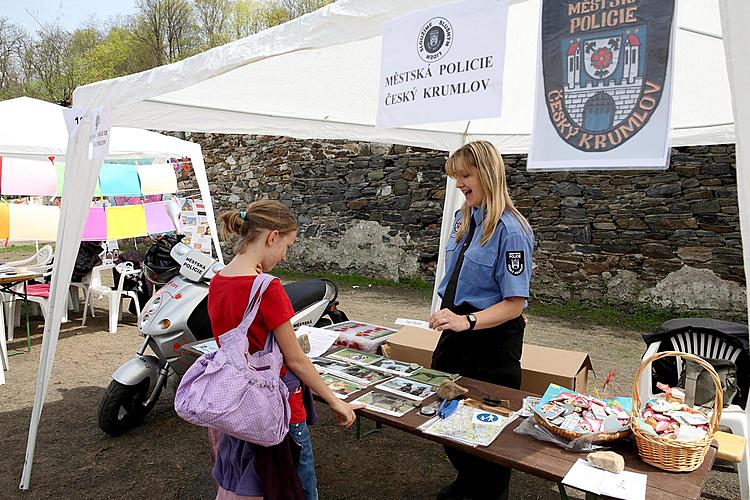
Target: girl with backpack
<point>266,230</point>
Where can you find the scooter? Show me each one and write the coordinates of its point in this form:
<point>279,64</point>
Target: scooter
<point>177,314</point>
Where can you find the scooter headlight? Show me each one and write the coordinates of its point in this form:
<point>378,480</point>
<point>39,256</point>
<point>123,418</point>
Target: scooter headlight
<point>154,304</point>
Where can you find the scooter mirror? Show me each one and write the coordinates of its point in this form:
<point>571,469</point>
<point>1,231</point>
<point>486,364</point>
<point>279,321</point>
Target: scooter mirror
<point>173,211</point>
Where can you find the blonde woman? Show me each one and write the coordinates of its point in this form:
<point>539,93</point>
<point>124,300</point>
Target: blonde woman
<point>484,292</point>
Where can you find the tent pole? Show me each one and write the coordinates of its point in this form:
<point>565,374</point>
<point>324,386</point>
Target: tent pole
<point>75,200</point>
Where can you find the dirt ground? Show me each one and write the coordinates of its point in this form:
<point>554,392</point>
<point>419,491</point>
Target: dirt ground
<point>168,458</point>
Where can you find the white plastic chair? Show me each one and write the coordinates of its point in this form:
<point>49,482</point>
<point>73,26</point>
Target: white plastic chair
<point>42,257</point>
<point>707,346</point>
<point>115,295</point>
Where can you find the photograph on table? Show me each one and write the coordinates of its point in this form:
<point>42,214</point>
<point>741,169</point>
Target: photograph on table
<point>408,388</point>
<point>340,387</point>
<point>325,365</point>
<point>393,366</point>
<point>430,376</point>
<point>354,356</point>
<point>389,404</point>
<point>360,374</point>
<point>359,329</point>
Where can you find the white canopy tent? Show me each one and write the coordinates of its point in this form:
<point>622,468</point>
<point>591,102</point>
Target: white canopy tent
<point>317,77</point>
<point>35,129</point>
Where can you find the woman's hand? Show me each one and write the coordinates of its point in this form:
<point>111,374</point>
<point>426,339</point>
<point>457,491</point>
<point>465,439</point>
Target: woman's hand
<point>344,412</point>
<point>445,319</point>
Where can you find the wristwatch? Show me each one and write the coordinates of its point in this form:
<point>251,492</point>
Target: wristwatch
<point>472,321</point>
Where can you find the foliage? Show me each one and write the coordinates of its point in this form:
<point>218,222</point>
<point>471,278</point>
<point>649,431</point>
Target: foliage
<point>51,62</point>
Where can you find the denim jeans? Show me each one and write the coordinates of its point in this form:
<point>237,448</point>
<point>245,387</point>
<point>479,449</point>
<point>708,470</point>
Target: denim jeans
<point>306,468</point>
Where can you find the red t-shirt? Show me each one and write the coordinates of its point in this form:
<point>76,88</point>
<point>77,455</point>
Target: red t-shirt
<point>227,300</point>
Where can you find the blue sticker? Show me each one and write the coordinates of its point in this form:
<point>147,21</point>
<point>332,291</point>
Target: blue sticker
<point>487,418</point>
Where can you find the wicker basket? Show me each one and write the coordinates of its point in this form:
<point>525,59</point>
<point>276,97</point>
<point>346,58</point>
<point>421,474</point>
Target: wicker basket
<point>600,437</point>
<point>671,454</point>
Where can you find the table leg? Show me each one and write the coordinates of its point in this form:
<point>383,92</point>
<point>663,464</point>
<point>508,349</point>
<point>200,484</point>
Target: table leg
<point>358,428</point>
<point>26,308</point>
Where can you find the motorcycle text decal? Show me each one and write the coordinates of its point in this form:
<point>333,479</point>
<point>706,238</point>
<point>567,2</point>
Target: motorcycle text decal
<point>604,67</point>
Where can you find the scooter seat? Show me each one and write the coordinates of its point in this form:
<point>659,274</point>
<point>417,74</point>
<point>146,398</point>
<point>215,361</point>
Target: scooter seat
<point>305,293</point>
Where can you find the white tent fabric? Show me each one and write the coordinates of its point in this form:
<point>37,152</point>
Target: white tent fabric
<point>36,129</point>
<point>734,18</point>
<point>316,76</point>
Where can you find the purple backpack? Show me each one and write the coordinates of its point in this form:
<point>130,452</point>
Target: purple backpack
<point>238,393</point>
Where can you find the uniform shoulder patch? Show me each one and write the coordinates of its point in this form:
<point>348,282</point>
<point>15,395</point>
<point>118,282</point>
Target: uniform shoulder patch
<point>456,226</point>
<point>514,262</point>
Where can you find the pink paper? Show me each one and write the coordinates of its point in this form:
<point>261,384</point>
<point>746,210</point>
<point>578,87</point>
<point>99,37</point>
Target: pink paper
<point>28,177</point>
<point>96,225</point>
<point>157,220</point>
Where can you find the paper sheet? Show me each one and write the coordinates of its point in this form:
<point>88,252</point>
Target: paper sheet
<point>412,322</point>
<point>157,179</point>
<point>126,222</point>
<point>625,485</point>
<point>320,339</point>
<point>120,180</point>
<point>28,177</point>
<point>96,225</point>
<point>33,222</point>
<point>157,219</point>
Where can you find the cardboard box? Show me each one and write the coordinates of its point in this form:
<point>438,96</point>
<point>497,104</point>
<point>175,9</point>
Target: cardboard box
<point>540,366</point>
<point>412,344</point>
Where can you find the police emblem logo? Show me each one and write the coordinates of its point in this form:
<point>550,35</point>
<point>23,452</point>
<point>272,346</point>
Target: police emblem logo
<point>514,262</point>
<point>435,39</point>
<point>456,227</point>
<point>604,67</point>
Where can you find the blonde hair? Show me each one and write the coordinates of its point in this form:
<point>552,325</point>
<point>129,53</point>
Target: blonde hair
<point>259,215</point>
<point>482,156</point>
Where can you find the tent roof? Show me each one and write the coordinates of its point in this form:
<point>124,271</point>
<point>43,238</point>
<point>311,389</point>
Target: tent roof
<point>37,128</point>
<point>317,76</point>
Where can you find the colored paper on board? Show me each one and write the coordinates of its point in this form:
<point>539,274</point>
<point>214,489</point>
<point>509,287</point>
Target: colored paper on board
<point>33,222</point>
<point>96,225</point>
<point>23,177</point>
<point>126,222</point>
<point>157,179</point>
<point>60,167</point>
<point>121,180</point>
<point>4,222</point>
<point>157,219</point>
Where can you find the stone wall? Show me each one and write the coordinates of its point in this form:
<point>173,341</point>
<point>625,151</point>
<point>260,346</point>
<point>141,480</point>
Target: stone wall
<point>667,239</point>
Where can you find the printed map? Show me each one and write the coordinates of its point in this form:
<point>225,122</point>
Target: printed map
<point>468,425</point>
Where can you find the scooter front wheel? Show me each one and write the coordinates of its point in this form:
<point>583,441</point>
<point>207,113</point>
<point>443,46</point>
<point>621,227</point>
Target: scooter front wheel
<point>121,407</point>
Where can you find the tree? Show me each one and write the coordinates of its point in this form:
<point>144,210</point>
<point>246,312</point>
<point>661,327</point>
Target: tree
<point>246,18</point>
<point>11,40</point>
<point>166,29</point>
<point>213,21</point>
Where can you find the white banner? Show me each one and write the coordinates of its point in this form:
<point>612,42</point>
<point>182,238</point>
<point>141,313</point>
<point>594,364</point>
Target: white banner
<point>604,86</point>
<point>101,128</point>
<point>443,64</point>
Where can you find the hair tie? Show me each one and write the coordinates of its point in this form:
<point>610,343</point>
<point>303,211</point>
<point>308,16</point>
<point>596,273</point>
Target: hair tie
<point>243,215</point>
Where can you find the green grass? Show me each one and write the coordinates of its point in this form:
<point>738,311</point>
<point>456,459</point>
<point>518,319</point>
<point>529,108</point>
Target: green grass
<point>17,252</point>
<point>355,279</point>
<point>601,313</point>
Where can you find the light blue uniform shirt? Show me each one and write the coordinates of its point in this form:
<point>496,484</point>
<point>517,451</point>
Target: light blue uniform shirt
<point>491,272</point>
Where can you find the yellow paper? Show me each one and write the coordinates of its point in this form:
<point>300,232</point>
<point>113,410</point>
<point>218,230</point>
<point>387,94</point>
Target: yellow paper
<point>126,222</point>
<point>33,222</point>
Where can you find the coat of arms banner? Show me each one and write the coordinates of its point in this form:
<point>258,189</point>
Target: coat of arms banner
<point>604,82</point>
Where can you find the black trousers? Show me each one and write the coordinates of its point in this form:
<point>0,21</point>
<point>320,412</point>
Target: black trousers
<point>491,355</point>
